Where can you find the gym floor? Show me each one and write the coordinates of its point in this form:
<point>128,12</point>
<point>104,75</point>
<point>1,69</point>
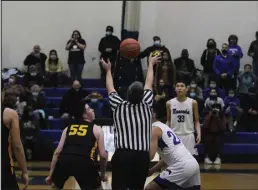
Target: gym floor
<point>224,177</point>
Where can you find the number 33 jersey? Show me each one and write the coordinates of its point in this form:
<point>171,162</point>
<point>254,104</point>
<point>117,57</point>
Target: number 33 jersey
<point>182,121</point>
<point>80,140</point>
<point>170,147</point>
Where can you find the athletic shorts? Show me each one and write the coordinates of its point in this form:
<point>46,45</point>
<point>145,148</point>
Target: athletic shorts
<point>81,168</point>
<point>189,142</point>
<point>185,174</point>
<point>8,179</point>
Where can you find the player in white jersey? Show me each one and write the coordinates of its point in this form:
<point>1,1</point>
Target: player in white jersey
<point>183,118</point>
<point>182,169</point>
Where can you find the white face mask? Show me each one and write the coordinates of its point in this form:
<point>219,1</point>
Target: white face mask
<point>108,33</point>
<point>94,100</point>
<point>33,74</point>
<point>53,57</point>
<point>193,85</point>
<point>35,94</point>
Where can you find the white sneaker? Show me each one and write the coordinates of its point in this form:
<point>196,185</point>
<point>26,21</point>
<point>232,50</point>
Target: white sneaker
<point>217,161</point>
<point>207,160</point>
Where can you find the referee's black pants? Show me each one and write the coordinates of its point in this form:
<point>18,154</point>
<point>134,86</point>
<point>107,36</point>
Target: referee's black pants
<point>129,169</point>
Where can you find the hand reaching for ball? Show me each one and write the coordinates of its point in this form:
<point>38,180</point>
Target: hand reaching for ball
<point>154,59</point>
<point>105,65</point>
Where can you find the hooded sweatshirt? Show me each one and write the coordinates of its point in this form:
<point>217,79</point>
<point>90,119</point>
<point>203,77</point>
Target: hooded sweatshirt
<point>238,55</point>
<point>232,102</point>
<point>224,65</point>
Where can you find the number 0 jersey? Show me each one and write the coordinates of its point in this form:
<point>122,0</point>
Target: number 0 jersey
<point>182,121</point>
<point>170,147</point>
<point>80,140</point>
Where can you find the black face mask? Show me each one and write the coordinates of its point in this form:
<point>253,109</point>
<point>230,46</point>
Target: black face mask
<point>211,45</point>
<point>213,97</point>
<point>224,51</point>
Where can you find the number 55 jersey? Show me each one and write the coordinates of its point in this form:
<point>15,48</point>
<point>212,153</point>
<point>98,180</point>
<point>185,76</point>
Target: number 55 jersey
<point>80,140</point>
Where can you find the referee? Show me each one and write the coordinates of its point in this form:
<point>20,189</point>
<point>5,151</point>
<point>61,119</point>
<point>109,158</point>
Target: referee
<point>132,130</point>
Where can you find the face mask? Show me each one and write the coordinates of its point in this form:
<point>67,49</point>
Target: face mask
<point>94,100</point>
<point>213,96</point>
<point>224,51</point>
<point>33,74</point>
<point>193,85</point>
<point>11,81</point>
<point>231,95</point>
<point>192,94</point>
<point>185,56</point>
<point>108,33</point>
<point>76,89</point>
<point>157,43</point>
<point>213,85</point>
<point>211,45</point>
<point>35,93</point>
<point>53,57</point>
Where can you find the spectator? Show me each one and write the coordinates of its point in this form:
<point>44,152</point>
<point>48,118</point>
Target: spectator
<point>185,67</point>
<point>236,53</point>
<point>213,128</point>
<point>224,69</point>
<point>54,67</point>
<point>166,71</point>
<point>253,52</point>
<point>246,80</point>
<point>207,60</point>
<point>213,85</point>
<point>32,78</point>
<point>12,88</point>
<point>161,97</point>
<point>36,58</point>
<point>195,92</point>
<point>76,46</point>
<point>70,101</point>
<point>36,102</point>
<point>108,47</point>
<point>233,111</point>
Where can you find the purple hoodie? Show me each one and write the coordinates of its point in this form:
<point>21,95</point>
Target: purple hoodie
<point>238,55</point>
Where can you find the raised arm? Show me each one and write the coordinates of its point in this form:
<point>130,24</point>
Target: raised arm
<point>109,79</point>
<point>150,73</point>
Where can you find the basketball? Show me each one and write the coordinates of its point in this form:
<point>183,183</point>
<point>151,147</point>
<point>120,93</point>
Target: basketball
<point>130,48</point>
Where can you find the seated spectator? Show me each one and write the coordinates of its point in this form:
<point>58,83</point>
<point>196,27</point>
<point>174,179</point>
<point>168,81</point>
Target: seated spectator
<point>253,52</point>
<point>207,60</point>
<point>214,126</point>
<point>161,97</point>
<point>213,85</point>
<point>235,51</point>
<point>12,88</point>
<point>37,59</point>
<point>246,80</point>
<point>54,67</point>
<point>96,102</point>
<point>166,71</point>
<point>32,78</point>
<point>71,100</point>
<point>36,102</point>
<point>30,128</point>
<point>185,67</point>
<point>195,92</point>
<point>233,111</point>
<point>224,69</point>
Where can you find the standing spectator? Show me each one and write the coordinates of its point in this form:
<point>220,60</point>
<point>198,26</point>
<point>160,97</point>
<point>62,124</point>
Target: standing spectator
<point>224,68</point>
<point>185,67</point>
<point>213,85</point>
<point>233,111</point>
<point>108,47</point>
<point>36,58</point>
<point>246,80</point>
<point>235,51</point>
<point>166,71</point>
<point>214,126</point>
<point>253,52</point>
<point>76,46</point>
<point>32,78</point>
<point>70,101</point>
<point>207,60</point>
<point>54,67</point>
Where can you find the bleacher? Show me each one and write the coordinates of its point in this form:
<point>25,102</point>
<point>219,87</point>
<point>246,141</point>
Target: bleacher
<point>242,143</point>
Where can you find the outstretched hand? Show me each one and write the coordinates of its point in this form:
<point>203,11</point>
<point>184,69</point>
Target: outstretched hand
<point>154,60</point>
<point>105,65</point>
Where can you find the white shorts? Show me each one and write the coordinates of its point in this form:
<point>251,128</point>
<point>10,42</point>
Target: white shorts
<point>184,174</point>
<point>189,142</point>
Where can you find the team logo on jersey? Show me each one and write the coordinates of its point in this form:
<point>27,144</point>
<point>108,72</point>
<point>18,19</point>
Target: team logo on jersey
<point>175,111</point>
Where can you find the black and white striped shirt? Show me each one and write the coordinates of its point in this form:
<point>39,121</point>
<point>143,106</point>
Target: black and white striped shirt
<point>132,122</point>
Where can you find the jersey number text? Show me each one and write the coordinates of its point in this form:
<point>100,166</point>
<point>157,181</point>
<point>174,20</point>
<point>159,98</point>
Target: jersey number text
<point>176,140</point>
<point>180,118</point>
<point>79,130</point>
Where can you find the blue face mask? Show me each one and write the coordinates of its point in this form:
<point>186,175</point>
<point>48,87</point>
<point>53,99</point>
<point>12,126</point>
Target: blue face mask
<point>192,94</point>
<point>157,43</point>
<point>94,100</point>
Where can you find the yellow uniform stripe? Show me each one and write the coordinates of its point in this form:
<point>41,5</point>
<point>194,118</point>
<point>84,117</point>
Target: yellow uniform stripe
<point>93,150</point>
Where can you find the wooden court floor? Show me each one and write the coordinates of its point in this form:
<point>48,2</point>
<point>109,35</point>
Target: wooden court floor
<point>225,177</point>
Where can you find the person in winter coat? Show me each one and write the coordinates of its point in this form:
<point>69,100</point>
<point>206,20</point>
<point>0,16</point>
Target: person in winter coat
<point>224,68</point>
<point>207,60</point>
<point>232,110</point>
<point>246,80</point>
